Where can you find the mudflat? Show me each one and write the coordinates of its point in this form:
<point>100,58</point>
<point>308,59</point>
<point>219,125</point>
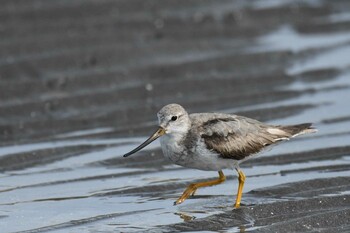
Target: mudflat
<point>81,83</point>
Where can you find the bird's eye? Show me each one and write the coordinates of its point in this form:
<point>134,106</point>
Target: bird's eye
<point>174,118</point>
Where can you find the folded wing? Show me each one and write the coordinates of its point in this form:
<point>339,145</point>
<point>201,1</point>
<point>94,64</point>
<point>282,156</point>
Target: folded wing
<point>237,137</point>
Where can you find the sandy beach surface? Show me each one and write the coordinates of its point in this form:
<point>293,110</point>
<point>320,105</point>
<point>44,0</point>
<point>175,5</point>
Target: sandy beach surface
<point>81,83</point>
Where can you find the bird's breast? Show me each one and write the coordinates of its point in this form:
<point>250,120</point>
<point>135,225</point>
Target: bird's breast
<point>196,156</point>
<point>171,149</point>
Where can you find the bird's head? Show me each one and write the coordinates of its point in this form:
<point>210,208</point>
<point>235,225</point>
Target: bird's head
<point>173,121</point>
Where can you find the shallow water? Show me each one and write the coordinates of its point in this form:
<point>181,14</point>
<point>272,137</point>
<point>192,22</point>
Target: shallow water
<point>67,119</point>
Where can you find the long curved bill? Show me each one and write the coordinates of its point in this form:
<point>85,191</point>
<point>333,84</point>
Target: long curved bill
<point>156,135</point>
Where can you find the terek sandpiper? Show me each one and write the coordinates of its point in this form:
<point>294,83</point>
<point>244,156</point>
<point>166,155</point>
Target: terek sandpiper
<point>215,141</point>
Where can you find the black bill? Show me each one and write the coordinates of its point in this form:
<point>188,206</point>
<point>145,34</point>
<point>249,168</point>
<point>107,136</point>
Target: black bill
<point>156,135</point>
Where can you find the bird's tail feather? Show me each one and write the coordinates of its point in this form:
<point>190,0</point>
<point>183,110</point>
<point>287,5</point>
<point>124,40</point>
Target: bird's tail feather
<point>296,130</point>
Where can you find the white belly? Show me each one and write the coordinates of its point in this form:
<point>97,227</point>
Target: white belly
<point>198,157</point>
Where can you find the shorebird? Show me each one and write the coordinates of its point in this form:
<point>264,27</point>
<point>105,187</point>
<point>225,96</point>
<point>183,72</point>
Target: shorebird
<point>215,141</point>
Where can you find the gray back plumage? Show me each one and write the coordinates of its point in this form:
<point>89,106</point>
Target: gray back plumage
<point>236,137</point>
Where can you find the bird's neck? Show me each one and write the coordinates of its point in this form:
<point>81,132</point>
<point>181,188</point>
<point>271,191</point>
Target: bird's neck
<point>171,145</point>
<point>177,136</point>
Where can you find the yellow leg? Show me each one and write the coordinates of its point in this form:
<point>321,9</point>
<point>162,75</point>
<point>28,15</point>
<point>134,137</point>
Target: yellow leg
<point>191,189</point>
<point>241,179</point>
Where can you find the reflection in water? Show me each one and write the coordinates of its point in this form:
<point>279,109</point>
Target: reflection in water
<point>186,217</point>
<point>242,229</point>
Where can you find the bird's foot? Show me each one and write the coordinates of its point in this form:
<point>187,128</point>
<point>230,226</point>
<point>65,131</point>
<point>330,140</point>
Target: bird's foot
<point>191,189</point>
<point>237,205</point>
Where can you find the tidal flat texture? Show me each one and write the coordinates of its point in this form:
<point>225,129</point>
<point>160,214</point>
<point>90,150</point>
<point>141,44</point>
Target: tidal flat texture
<point>81,83</point>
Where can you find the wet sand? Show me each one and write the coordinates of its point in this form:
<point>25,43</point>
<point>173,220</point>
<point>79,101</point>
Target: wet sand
<point>81,82</point>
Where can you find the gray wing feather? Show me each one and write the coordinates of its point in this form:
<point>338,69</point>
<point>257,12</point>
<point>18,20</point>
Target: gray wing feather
<point>237,137</point>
